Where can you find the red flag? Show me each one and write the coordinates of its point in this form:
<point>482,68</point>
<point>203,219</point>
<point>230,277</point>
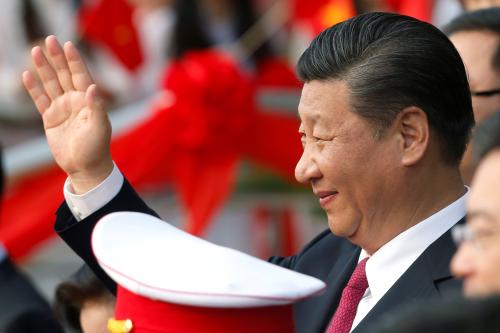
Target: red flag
<point>109,23</point>
<point>321,14</point>
<point>28,211</point>
<point>421,9</point>
<point>194,141</point>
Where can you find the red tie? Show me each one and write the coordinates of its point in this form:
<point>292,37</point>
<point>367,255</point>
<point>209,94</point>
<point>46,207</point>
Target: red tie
<point>351,295</point>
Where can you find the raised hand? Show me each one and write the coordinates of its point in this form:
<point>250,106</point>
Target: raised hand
<point>76,125</point>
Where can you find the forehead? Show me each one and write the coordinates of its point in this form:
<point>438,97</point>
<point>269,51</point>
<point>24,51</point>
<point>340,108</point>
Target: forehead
<point>477,49</point>
<point>485,192</point>
<point>324,102</point>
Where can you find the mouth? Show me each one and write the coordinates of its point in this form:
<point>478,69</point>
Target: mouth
<point>325,197</point>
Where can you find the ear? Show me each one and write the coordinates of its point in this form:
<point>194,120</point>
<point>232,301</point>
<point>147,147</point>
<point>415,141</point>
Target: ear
<point>413,127</point>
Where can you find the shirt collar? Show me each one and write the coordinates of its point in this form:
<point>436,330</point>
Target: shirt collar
<point>389,263</point>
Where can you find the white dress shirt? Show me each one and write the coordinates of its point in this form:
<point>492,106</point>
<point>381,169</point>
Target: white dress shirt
<point>82,205</point>
<point>390,262</point>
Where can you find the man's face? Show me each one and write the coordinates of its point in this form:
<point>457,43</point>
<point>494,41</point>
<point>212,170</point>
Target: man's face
<point>348,168</point>
<point>478,261</point>
<point>480,4</point>
<point>477,49</point>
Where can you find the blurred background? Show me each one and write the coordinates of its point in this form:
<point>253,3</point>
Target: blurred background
<point>203,101</point>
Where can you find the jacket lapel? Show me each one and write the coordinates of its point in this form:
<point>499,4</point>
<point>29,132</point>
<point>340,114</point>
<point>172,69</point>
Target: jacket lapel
<point>322,308</point>
<point>428,277</point>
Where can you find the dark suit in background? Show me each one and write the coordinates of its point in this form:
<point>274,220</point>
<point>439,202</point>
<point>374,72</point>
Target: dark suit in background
<point>427,278</point>
<point>22,309</point>
<point>454,315</point>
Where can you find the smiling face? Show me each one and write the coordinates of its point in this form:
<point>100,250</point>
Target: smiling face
<point>353,173</point>
<point>479,263</point>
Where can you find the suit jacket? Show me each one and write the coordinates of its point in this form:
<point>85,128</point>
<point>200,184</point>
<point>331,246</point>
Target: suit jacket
<point>22,309</point>
<point>457,315</point>
<point>327,257</point>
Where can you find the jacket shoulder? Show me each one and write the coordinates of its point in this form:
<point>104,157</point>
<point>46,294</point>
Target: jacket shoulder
<point>318,256</point>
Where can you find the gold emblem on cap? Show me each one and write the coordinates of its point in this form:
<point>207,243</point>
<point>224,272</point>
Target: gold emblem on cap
<point>120,326</point>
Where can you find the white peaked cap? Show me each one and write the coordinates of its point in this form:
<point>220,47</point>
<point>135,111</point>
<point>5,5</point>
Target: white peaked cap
<point>153,259</point>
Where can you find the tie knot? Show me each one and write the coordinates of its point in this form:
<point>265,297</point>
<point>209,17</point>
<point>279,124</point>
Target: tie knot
<point>358,278</point>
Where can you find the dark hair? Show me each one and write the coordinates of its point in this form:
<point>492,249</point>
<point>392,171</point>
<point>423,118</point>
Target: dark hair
<point>188,30</point>
<point>32,22</point>
<point>390,62</point>
<point>71,295</point>
<point>487,20</point>
<point>191,34</point>
<point>486,137</point>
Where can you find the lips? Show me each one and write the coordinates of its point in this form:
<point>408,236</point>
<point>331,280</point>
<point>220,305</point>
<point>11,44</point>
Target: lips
<point>325,197</point>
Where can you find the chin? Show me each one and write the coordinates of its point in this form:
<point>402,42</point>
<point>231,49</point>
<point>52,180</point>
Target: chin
<point>342,228</point>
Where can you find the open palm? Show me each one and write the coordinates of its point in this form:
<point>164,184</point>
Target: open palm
<point>76,125</point>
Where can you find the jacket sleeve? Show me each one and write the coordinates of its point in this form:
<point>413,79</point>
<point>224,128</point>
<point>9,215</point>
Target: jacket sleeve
<point>78,234</point>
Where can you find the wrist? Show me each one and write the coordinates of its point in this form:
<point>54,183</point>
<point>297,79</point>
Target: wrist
<point>86,180</point>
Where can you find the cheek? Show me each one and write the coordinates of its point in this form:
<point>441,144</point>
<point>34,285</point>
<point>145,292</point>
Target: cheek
<point>490,268</point>
<point>485,106</point>
<point>342,161</point>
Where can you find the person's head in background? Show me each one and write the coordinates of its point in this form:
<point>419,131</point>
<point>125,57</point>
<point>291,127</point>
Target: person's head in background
<point>208,23</point>
<point>83,303</point>
<point>480,4</point>
<point>476,35</point>
<point>150,4</point>
<point>477,260</point>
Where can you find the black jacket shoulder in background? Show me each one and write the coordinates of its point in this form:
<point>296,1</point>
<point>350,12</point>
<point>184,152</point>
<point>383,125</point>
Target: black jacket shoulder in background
<point>455,315</point>
<point>22,309</point>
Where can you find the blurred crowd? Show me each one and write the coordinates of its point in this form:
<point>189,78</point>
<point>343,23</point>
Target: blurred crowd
<point>159,30</point>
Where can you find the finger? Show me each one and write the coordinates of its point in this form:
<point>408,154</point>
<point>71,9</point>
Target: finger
<point>92,98</point>
<point>58,60</point>
<point>46,73</point>
<point>41,100</point>
<point>79,73</point>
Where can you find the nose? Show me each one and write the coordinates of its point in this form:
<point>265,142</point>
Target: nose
<point>306,169</point>
<point>462,263</point>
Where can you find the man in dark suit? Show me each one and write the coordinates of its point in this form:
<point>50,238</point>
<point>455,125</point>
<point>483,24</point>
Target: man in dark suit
<point>22,308</point>
<point>385,117</point>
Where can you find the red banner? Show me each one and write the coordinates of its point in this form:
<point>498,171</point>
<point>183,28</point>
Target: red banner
<point>192,140</point>
<point>109,23</point>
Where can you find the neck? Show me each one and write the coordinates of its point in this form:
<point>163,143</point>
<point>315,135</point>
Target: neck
<point>425,192</point>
